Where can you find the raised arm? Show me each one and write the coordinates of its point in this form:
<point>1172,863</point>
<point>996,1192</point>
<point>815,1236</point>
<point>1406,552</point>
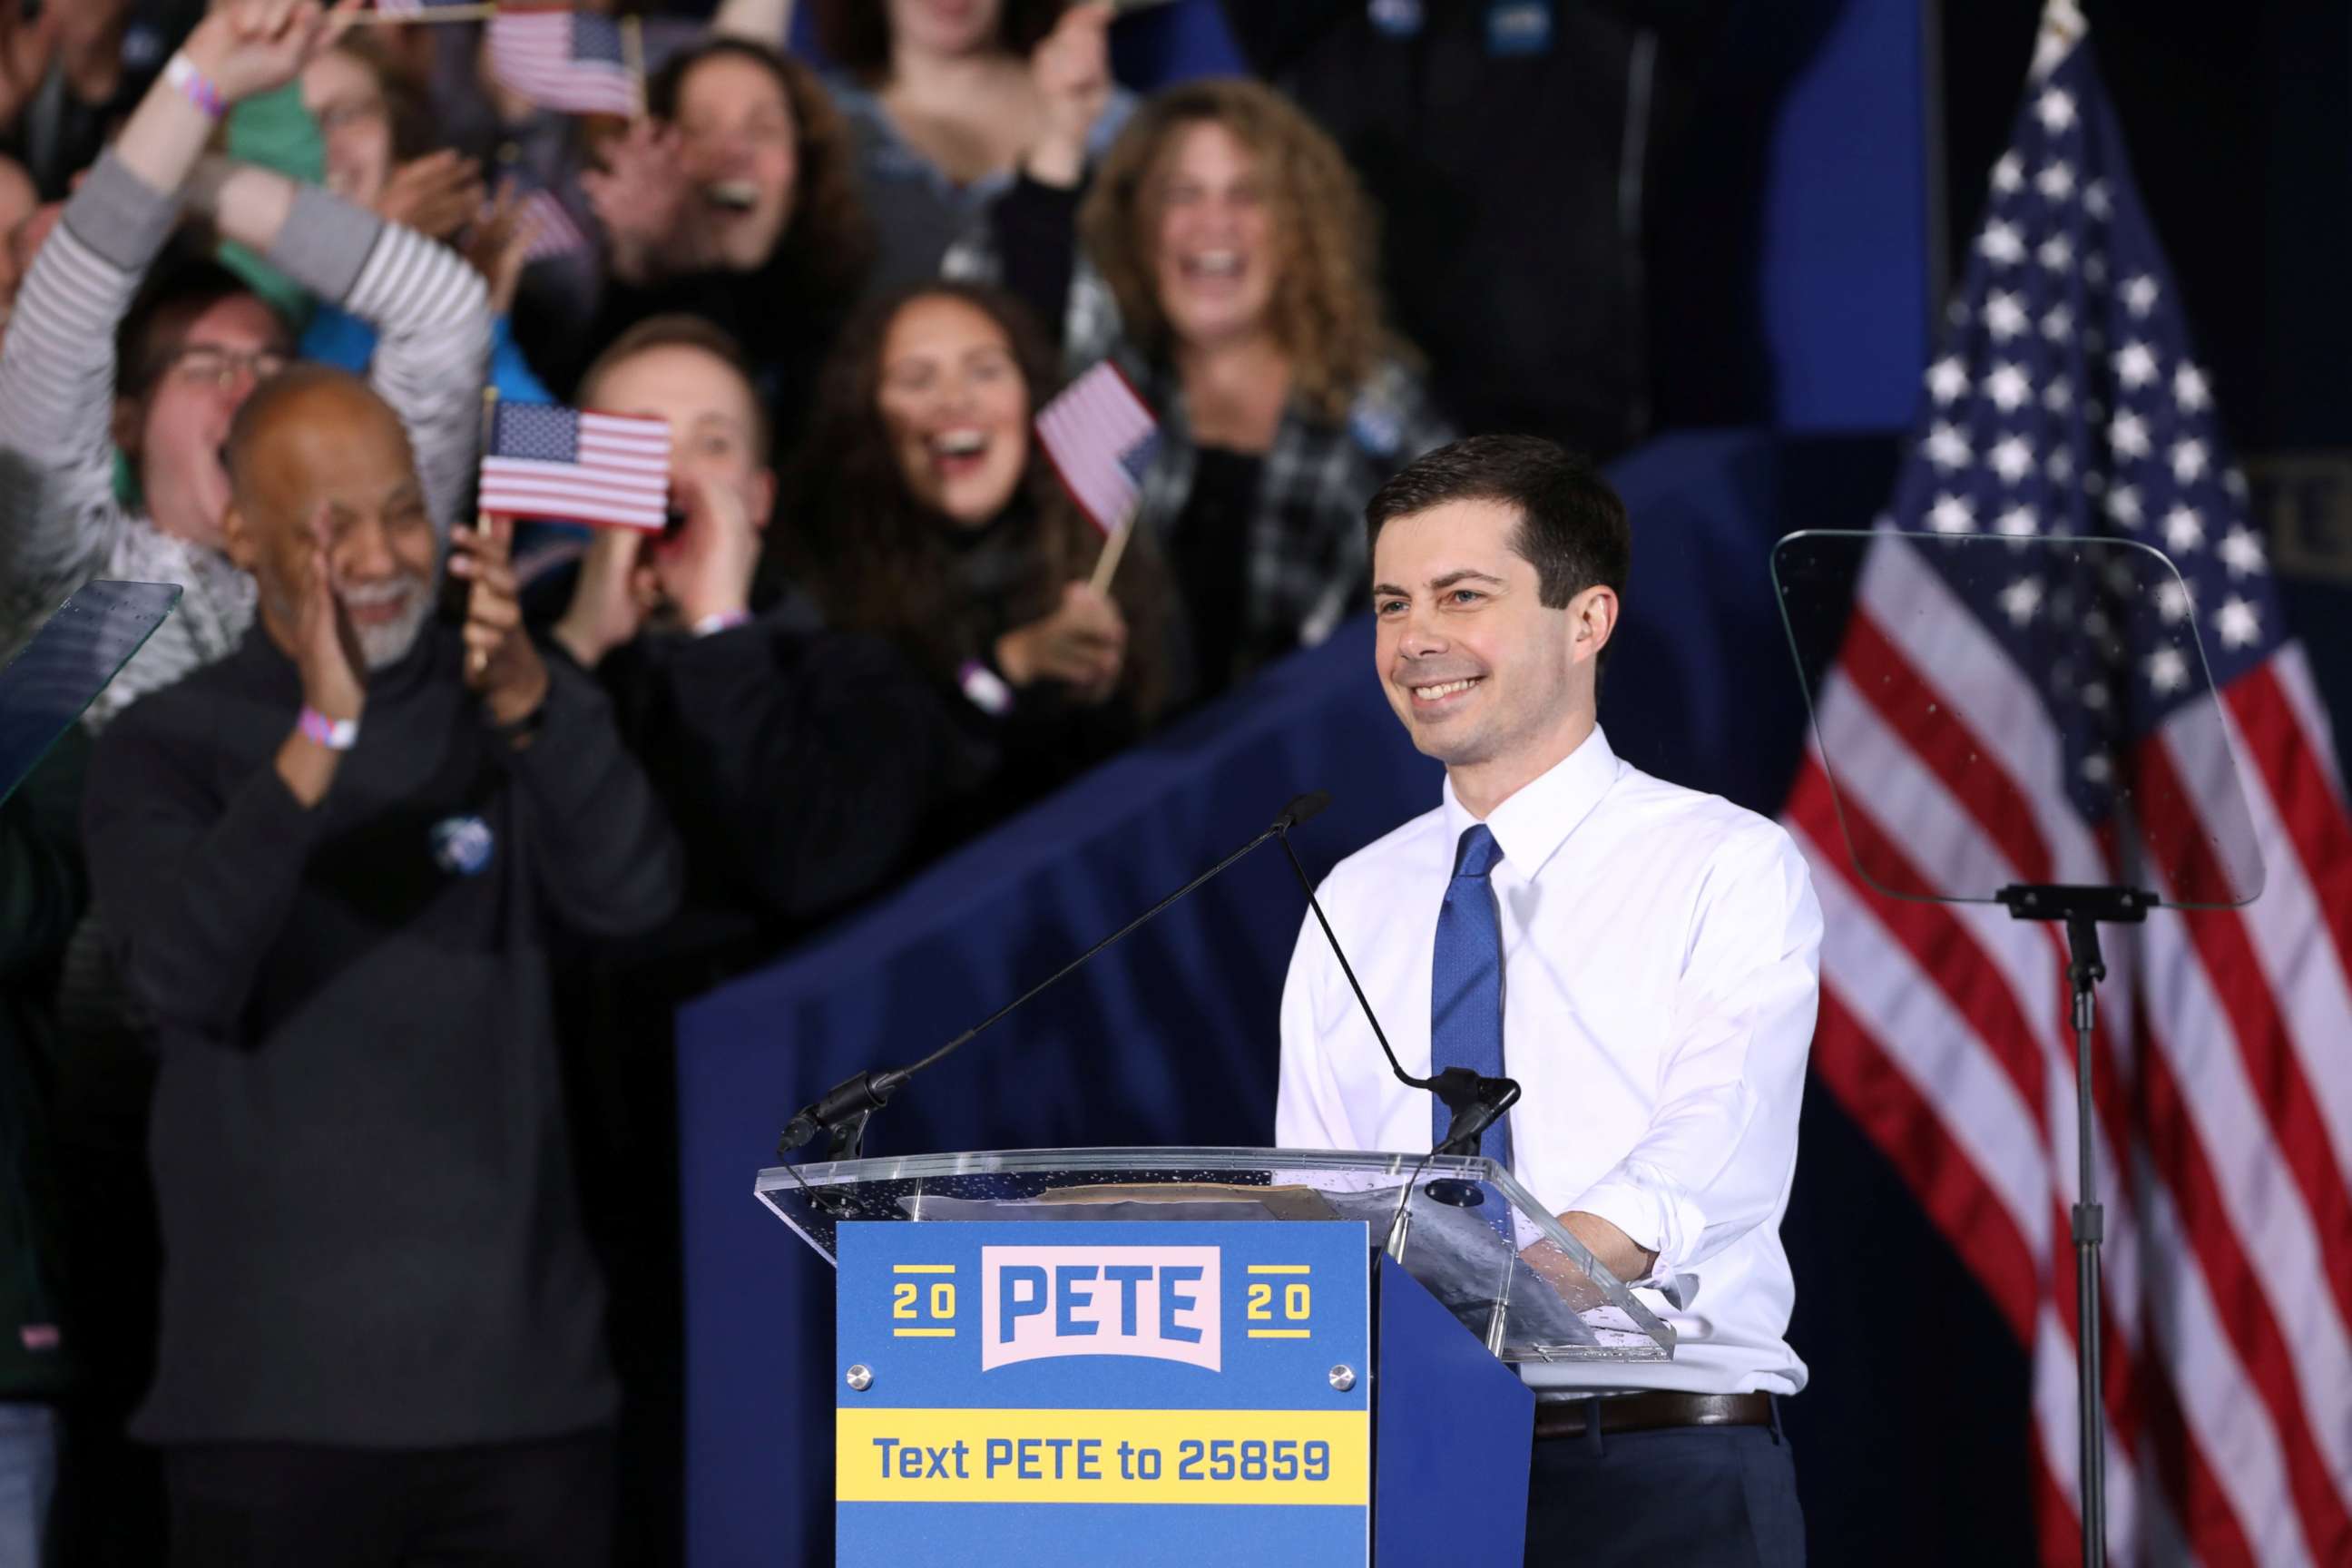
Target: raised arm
<point>429,308</point>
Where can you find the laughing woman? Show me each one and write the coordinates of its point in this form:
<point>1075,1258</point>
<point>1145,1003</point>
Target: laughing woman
<point>933,520</point>
<point>1226,264</point>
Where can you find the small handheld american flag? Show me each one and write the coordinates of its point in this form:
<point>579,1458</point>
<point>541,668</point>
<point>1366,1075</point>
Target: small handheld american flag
<point>568,60</point>
<point>546,461</point>
<point>1100,437</point>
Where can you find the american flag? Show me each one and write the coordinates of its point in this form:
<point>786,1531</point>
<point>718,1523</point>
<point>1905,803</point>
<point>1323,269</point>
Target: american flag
<point>419,8</point>
<point>1100,437</point>
<point>552,231</point>
<point>569,60</point>
<point>2066,400</point>
<point>550,462</point>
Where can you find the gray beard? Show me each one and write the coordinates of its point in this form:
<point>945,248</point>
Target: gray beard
<point>383,646</point>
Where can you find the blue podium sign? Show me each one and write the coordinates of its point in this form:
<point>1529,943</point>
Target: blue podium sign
<point>1087,1394</point>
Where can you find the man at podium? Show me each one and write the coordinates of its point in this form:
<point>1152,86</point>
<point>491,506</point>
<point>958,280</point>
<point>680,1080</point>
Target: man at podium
<point>1643,959</point>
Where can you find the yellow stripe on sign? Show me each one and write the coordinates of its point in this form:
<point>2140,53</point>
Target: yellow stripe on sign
<point>922,1333</point>
<point>1073,1456</point>
<point>923,1268</point>
<point>1277,1333</point>
<point>1280,1269</point>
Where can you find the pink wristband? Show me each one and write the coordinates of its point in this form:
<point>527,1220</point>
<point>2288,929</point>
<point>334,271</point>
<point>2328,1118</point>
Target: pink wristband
<point>183,74</point>
<point>725,620</point>
<point>335,734</point>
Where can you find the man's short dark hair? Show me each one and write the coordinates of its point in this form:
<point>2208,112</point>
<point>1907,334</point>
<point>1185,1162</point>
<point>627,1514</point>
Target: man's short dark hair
<point>1573,526</point>
<point>182,286</point>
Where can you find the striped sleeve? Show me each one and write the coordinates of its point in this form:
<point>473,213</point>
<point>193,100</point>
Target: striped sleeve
<point>432,316</point>
<point>57,391</point>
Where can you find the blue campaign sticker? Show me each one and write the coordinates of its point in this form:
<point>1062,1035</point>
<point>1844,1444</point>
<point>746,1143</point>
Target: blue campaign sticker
<point>1397,18</point>
<point>462,845</point>
<point>1519,27</point>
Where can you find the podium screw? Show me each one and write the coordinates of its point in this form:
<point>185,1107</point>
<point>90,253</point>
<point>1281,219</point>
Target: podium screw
<point>1343,1378</point>
<point>861,1377</point>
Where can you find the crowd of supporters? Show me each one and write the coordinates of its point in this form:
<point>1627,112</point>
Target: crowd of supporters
<point>326,929</point>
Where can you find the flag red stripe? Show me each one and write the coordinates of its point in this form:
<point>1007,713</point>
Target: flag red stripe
<point>2057,1527</point>
<point>1944,947</point>
<point>2240,1299</point>
<point>2300,788</point>
<point>1882,674</point>
<point>2226,951</point>
<point>1888,1107</point>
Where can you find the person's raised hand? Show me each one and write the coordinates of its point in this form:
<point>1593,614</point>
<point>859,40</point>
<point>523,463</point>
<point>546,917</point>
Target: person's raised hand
<point>1070,69</point>
<point>326,649</point>
<point>437,194</point>
<point>610,599</point>
<point>246,48</point>
<point>502,662</point>
<point>1082,645</point>
<point>641,196</point>
<point>707,570</point>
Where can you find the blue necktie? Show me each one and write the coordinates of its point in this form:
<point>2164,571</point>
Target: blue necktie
<point>1465,983</point>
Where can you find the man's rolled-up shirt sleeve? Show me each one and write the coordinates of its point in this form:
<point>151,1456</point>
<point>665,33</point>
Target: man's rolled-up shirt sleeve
<point>1718,1156</point>
<point>1308,1111</point>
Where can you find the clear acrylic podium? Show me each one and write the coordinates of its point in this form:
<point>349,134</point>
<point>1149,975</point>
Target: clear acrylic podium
<point>1454,1270</point>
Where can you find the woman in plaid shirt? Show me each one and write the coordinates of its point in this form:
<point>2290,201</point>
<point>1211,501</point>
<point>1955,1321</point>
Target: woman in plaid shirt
<point>1227,266</point>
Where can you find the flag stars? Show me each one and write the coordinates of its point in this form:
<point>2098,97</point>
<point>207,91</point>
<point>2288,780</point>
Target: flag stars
<point>2135,366</point>
<point>2059,466</point>
<point>2008,175</point>
<point>1947,379</point>
<point>2123,506</point>
<point>2233,479</point>
<point>2017,522</point>
<point>1952,514</point>
<point>2020,599</point>
<point>2184,530</point>
<point>2127,433</point>
<point>2004,316</point>
<point>1946,447</point>
<point>2241,553</point>
<point>2096,769</point>
<point>2094,696</point>
<point>2056,110</point>
<point>2139,295</point>
<point>2058,324</point>
<point>2009,387</point>
<point>2056,180</point>
<point>2056,254</point>
<point>2000,243</point>
<point>2012,458</point>
<point>2189,460</point>
<point>2094,200</point>
<point>2167,670</point>
<point>2059,396</point>
<point>2238,623</point>
<point>2095,269</point>
<point>2173,600</point>
<point>2189,389</point>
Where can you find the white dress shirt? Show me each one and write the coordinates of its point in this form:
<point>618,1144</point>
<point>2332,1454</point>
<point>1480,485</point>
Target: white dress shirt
<point>1661,968</point>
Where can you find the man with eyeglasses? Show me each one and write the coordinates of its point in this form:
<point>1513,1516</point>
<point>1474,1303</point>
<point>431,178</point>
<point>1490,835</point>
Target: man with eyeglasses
<point>110,349</point>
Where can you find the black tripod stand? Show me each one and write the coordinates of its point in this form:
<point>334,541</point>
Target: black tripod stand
<point>2081,910</point>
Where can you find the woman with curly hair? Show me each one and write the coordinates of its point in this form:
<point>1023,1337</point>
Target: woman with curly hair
<point>935,521</point>
<point>736,200</point>
<point>946,98</point>
<point>1226,263</point>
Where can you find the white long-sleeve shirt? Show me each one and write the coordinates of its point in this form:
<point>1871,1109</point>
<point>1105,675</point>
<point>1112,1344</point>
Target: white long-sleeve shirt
<point>1660,967</point>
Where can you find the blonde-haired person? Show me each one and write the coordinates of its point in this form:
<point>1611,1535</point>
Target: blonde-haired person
<point>1222,254</point>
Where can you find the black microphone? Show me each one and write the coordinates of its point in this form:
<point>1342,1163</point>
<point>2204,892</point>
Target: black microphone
<point>843,1110</point>
<point>1476,1102</point>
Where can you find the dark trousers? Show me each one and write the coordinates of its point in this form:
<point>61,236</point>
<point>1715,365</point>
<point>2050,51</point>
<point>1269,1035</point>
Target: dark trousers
<point>1693,1496</point>
<point>546,1504</point>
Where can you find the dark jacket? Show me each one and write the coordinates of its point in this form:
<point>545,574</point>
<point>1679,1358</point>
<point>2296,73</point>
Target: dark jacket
<point>42,894</point>
<point>370,1230</point>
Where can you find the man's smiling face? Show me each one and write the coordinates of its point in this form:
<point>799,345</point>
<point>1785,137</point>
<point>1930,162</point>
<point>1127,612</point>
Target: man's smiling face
<point>1472,662</point>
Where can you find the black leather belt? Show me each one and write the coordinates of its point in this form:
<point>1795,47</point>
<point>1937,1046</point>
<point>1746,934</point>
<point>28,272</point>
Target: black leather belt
<point>1569,1414</point>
